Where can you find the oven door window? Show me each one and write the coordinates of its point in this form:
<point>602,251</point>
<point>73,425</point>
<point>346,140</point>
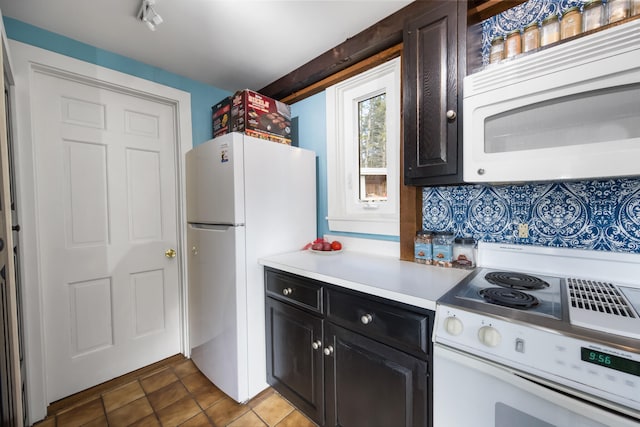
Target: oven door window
<point>493,396</point>
<point>506,416</point>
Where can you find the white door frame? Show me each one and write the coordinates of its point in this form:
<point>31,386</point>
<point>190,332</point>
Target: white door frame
<point>26,59</point>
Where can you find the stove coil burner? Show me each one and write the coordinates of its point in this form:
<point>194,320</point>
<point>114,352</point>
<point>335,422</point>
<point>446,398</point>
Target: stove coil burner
<point>511,298</point>
<point>520,281</point>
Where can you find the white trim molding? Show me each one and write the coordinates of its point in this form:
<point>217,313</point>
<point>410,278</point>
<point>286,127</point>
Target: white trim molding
<point>347,211</point>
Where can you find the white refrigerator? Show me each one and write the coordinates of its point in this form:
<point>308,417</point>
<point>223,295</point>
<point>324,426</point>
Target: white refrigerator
<point>246,198</point>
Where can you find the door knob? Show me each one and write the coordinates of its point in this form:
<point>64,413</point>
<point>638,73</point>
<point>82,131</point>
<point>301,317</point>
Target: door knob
<point>316,344</point>
<point>451,114</point>
<point>170,253</point>
<point>328,351</point>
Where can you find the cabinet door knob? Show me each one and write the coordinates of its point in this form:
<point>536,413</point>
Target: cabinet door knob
<point>366,319</point>
<point>480,171</point>
<point>451,115</point>
<point>316,344</point>
<point>287,291</point>
<point>328,351</point>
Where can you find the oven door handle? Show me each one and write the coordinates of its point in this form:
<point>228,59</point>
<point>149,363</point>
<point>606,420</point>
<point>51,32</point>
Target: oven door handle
<point>546,390</point>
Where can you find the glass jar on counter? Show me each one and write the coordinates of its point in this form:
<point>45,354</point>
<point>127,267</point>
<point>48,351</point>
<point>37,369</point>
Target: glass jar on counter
<point>423,249</point>
<point>592,15</point>
<point>496,54</point>
<point>531,37</point>
<point>464,252</point>
<point>635,7</point>
<point>513,44</point>
<point>550,30</point>
<point>617,10</point>
<point>443,248</point>
<point>571,24</point>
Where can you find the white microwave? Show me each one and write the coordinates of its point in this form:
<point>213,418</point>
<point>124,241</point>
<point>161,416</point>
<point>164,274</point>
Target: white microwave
<point>567,112</point>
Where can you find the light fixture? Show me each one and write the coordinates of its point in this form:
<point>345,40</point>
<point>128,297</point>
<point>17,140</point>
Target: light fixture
<point>148,15</point>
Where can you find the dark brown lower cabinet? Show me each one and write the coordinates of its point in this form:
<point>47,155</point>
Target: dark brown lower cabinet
<point>294,366</point>
<point>372,384</point>
<point>347,359</point>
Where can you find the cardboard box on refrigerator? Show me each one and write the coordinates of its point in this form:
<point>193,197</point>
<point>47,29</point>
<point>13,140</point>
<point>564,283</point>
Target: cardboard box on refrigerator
<point>221,115</point>
<point>260,116</point>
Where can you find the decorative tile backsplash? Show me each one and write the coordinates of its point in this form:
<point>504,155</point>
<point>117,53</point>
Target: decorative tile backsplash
<point>519,17</point>
<point>601,215</point>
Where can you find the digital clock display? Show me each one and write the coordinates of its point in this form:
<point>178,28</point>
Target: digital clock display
<point>610,361</point>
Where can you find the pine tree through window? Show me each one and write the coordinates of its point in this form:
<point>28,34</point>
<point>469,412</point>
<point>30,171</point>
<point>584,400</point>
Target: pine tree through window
<point>372,135</point>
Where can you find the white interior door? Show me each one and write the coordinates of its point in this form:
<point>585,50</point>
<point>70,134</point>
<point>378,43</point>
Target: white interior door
<point>106,210</point>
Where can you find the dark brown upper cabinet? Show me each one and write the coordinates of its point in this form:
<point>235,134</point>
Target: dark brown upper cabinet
<point>434,66</point>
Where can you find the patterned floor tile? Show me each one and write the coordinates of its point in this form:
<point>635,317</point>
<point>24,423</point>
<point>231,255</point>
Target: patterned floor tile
<point>122,395</point>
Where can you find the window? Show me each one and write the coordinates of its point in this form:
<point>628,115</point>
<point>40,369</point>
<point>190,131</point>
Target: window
<point>363,148</point>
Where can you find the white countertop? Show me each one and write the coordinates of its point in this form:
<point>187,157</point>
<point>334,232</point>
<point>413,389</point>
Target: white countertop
<point>387,277</point>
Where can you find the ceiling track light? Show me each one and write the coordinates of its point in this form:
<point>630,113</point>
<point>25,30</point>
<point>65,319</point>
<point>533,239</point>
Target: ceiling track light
<point>148,15</point>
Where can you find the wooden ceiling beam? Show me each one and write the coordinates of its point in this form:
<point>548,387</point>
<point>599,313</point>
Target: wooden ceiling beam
<point>375,39</point>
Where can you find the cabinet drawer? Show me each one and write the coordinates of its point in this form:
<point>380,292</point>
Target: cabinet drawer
<point>394,325</point>
<point>294,289</point>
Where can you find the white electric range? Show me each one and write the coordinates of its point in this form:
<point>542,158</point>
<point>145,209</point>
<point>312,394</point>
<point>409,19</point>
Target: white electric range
<point>540,337</point>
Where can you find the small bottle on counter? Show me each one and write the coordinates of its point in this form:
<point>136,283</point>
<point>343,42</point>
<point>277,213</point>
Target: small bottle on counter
<point>617,10</point>
<point>423,247</point>
<point>513,44</point>
<point>571,24</point>
<point>464,252</point>
<point>550,31</point>
<point>531,37</point>
<point>443,248</point>
<point>496,54</point>
<point>592,15</point>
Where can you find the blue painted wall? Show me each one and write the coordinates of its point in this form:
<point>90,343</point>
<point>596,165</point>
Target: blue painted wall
<point>202,96</point>
<point>312,134</point>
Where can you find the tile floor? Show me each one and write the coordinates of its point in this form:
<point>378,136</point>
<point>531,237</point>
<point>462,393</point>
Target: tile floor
<point>174,395</point>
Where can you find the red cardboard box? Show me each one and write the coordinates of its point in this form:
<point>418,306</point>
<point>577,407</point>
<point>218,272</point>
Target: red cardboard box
<point>221,114</point>
<point>260,116</point>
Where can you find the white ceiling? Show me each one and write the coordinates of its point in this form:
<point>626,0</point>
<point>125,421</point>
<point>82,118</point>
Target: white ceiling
<point>229,44</point>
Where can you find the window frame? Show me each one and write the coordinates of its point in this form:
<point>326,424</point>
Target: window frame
<point>345,212</point>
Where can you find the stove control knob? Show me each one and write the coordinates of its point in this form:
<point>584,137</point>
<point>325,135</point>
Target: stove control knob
<point>489,336</point>
<point>453,325</point>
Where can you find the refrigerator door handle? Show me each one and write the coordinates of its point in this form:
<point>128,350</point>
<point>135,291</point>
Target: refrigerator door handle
<point>214,226</point>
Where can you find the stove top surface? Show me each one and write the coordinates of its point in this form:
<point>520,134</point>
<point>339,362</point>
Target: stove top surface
<point>556,289</point>
<point>532,293</point>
